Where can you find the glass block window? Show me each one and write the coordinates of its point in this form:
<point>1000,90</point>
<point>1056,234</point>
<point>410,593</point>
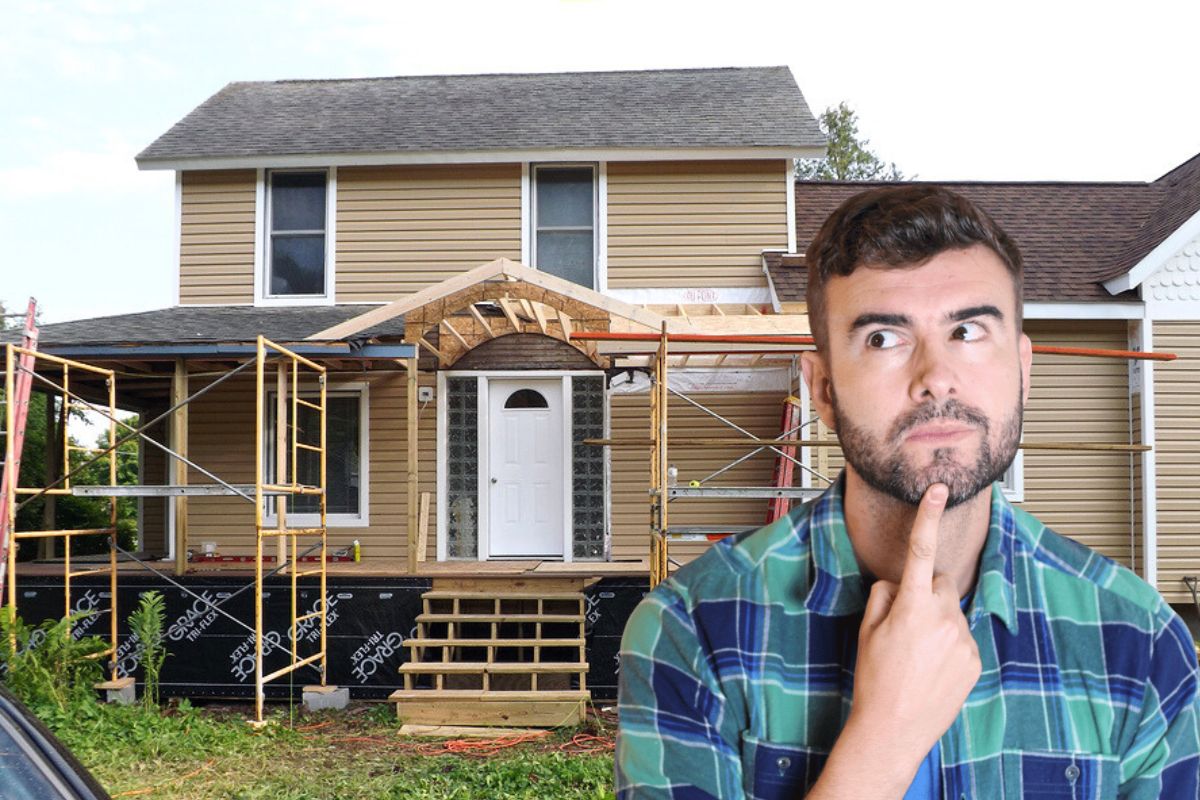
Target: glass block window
<point>588,480</point>
<point>462,467</point>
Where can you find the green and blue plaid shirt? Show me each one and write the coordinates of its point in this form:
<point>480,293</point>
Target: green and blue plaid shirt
<point>736,673</point>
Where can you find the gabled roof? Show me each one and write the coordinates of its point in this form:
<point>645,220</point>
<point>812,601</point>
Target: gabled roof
<point>751,107</point>
<point>500,270</point>
<point>1177,208</point>
<point>206,324</point>
<point>1072,235</point>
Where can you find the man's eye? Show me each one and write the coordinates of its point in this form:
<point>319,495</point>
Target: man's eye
<point>882,340</point>
<point>968,332</point>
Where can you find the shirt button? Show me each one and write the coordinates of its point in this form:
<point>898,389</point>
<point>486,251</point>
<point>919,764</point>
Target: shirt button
<point>1072,773</point>
<point>783,762</point>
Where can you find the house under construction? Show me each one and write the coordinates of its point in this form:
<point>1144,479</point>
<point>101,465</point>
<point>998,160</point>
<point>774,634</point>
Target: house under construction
<point>436,405</point>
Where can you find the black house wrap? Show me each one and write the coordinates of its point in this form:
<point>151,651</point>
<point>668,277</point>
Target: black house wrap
<point>212,656</point>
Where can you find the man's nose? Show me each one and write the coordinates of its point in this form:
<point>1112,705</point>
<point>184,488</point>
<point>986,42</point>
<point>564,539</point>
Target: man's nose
<point>933,375</point>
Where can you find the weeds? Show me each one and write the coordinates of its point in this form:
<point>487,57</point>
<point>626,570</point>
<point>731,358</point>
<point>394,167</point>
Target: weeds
<point>147,623</point>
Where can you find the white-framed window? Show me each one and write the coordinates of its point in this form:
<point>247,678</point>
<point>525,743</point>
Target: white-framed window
<point>1013,482</point>
<point>347,459</point>
<point>564,221</point>
<point>296,257</point>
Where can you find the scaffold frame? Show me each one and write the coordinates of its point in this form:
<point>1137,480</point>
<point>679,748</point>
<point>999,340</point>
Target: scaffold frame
<point>281,486</point>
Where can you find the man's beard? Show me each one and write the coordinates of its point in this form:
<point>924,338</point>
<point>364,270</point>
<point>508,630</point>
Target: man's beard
<point>884,467</point>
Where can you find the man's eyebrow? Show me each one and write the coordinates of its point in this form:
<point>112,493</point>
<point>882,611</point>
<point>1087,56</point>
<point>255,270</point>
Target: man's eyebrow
<point>975,311</point>
<point>873,318</point>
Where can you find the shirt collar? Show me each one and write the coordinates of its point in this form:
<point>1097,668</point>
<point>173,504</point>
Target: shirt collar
<point>838,587</point>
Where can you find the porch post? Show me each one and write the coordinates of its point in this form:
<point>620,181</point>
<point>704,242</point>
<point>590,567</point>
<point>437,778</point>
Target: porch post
<point>179,443</point>
<point>413,511</point>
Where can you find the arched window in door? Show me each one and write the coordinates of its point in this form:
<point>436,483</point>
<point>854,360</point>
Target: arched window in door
<point>526,398</point>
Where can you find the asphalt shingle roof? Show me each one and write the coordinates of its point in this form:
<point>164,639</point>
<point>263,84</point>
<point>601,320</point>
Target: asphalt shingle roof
<point>1072,236</point>
<point>731,107</point>
<point>206,324</point>
<point>1179,200</point>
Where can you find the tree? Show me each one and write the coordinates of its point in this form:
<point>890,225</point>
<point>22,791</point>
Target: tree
<point>848,158</point>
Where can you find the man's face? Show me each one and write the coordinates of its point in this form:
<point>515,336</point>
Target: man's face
<point>925,375</point>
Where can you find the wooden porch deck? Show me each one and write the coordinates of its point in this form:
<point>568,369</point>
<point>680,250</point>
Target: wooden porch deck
<point>375,568</point>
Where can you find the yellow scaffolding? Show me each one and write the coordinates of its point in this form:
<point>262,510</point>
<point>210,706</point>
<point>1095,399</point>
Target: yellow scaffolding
<point>283,484</point>
<point>11,353</point>
<point>286,484</point>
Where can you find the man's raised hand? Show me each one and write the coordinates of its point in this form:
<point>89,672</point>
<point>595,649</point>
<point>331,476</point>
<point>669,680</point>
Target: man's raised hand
<point>917,661</point>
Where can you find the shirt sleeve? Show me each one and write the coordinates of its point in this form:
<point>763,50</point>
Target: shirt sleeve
<point>1163,759</point>
<point>674,739</point>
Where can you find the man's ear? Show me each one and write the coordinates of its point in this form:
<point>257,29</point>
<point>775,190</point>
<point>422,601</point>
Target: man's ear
<point>820,386</point>
<point>1025,350</point>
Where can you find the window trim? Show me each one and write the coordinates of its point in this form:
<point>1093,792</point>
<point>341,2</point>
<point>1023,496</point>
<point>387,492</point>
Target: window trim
<point>363,518</point>
<point>262,242</point>
<point>599,170</point>
<point>1014,489</point>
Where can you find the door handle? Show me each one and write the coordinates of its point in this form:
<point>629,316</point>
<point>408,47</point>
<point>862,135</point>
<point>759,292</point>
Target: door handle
<point>493,480</point>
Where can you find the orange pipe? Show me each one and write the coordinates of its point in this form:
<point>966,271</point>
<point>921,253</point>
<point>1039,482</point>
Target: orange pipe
<point>602,336</point>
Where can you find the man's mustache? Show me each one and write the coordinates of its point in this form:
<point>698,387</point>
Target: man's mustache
<point>951,409</point>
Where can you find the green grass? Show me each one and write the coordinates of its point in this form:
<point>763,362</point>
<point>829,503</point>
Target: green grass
<point>186,752</point>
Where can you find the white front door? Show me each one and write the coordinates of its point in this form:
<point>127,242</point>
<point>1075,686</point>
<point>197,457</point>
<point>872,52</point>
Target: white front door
<point>526,471</point>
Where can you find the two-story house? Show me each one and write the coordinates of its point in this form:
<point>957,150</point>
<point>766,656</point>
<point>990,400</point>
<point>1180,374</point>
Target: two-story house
<point>480,261</point>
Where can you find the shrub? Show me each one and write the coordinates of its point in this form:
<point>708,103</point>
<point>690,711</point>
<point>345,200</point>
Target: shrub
<point>46,666</point>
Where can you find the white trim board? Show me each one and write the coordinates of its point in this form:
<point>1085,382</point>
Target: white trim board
<point>177,236</point>
<point>363,518</point>
<point>262,239</point>
<point>1101,310</point>
<point>283,161</point>
<point>1154,260</point>
<point>602,227</point>
<point>754,295</point>
<point>526,199</point>
<point>790,187</point>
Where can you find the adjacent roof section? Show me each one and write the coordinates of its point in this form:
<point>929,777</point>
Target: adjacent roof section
<point>204,324</point>
<point>1071,235</point>
<point>1178,201</point>
<point>751,107</point>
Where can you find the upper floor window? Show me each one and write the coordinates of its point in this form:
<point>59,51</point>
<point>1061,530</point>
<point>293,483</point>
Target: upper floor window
<point>564,222</point>
<point>296,244</point>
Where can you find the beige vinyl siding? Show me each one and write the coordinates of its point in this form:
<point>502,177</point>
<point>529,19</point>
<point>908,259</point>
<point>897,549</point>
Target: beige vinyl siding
<point>1087,496</point>
<point>1177,462</point>
<point>222,440</point>
<point>694,224</point>
<point>630,415</point>
<point>216,237</point>
<point>400,229</point>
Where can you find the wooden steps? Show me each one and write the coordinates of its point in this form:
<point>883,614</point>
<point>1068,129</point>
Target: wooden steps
<point>492,653</point>
<point>492,668</point>
<point>499,618</point>
<point>523,642</point>
<point>528,709</point>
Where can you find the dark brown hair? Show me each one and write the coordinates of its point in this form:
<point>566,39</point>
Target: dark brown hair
<point>899,227</point>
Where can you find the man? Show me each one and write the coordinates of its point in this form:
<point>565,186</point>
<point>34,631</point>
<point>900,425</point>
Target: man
<point>909,633</point>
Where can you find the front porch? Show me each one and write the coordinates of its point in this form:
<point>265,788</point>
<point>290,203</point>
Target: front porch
<point>503,494</point>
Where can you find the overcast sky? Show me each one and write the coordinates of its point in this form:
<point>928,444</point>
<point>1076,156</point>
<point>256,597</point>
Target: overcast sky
<point>1016,90</point>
